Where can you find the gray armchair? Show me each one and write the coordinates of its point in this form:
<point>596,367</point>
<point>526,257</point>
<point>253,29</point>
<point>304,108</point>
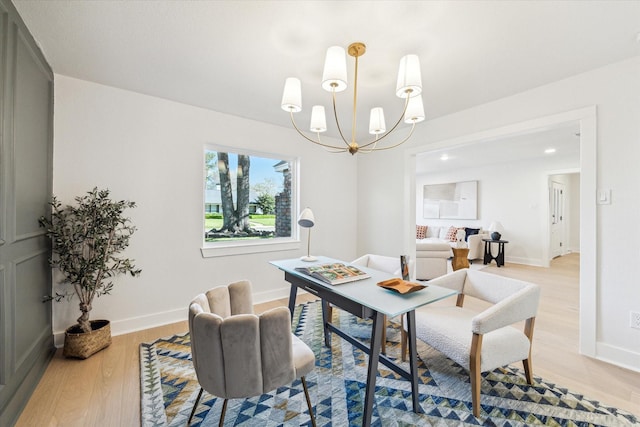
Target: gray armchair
<point>237,354</point>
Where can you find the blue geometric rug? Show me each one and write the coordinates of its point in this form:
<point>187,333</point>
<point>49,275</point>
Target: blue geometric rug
<point>337,385</point>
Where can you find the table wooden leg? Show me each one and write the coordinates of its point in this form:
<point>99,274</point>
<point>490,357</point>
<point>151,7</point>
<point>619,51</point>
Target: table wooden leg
<point>374,354</point>
<point>413,361</point>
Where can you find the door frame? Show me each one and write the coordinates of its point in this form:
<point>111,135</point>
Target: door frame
<point>587,118</point>
<point>546,248</point>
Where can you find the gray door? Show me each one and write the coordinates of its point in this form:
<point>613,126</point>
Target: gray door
<point>26,112</point>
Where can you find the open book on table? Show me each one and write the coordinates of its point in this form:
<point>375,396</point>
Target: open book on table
<point>335,273</point>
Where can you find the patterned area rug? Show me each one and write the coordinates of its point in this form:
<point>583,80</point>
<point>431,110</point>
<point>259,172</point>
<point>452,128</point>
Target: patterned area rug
<point>337,385</point>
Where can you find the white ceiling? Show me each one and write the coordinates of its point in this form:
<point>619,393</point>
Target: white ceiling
<point>233,56</point>
<point>564,139</point>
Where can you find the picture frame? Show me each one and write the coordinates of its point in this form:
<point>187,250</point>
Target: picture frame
<point>454,200</point>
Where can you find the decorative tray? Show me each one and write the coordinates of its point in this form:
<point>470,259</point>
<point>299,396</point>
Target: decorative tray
<point>401,286</point>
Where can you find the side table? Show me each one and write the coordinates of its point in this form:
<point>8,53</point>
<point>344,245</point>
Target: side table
<point>487,251</point>
<point>460,258</point>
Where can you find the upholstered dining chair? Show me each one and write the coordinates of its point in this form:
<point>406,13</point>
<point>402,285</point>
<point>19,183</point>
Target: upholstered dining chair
<point>482,341</point>
<point>237,354</point>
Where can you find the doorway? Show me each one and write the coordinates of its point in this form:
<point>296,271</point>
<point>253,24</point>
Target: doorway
<point>585,119</point>
<point>564,214</point>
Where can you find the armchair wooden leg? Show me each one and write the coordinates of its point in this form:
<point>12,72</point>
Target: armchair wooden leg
<point>528,331</point>
<point>528,370</point>
<point>474,372</point>
<point>195,405</point>
<point>306,395</point>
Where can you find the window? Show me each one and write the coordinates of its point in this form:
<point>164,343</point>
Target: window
<point>249,202</point>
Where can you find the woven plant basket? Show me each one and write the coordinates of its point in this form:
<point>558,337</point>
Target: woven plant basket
<point>81,345</point>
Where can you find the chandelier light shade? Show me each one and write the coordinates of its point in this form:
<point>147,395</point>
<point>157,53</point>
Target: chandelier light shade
<point>376,121</point>
<point>409,78</point>
<point>334,80</point>
<point>318,119</point>
<point>415,111</point>
<point>292,96</point>
<point>307,220</point>
<point>334,77</point>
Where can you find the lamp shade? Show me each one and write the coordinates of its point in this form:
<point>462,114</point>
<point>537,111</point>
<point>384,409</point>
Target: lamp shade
<point>496,226</point>
<point>292,95</point>
<point>306,218</point>
<point>318,119</point>
<point>415,110</point>
<point>376,121</point>
<point>334,76</point>
<point>409,78</point>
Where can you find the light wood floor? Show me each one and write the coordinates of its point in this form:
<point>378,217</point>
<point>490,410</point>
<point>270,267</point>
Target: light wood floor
<point>104,390</point>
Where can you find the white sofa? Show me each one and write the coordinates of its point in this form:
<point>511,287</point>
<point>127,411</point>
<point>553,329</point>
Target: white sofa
<point>435,245</point>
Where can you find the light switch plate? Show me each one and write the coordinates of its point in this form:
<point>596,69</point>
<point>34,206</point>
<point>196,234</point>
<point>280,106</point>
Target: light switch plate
<point>604,197</point>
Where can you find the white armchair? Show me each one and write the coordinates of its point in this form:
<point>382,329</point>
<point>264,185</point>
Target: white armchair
<point>483,341</point>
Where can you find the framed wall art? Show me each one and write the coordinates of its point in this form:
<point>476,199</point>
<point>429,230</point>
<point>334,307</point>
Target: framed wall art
<point>455,200</point>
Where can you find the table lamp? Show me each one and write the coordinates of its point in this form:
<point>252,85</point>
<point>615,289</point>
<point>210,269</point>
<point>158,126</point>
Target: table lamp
<point>307,220</point>
<point>496,228</point>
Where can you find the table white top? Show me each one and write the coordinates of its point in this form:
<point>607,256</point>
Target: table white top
<point>366,291</point>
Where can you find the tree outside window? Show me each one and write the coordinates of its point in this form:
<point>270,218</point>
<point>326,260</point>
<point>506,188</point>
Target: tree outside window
<point>247,196</point>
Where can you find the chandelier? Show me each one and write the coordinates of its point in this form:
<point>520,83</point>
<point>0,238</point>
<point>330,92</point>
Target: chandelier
<point>334,80</point>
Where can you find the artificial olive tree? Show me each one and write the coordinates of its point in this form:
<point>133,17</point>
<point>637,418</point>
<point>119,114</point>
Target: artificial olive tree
<point>87,239</point>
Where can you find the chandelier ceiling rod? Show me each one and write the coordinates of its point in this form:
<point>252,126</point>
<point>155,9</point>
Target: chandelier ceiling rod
<point>334,79</point>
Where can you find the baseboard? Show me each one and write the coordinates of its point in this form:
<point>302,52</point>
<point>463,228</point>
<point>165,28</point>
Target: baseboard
<point>134,324</point>
<point>618,356</point>
<point>535,262</point>
<point>266,296</point>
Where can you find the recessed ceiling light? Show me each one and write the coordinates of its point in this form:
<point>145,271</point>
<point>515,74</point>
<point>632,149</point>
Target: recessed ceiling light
<point>444,157</point>
<point>550,150</point>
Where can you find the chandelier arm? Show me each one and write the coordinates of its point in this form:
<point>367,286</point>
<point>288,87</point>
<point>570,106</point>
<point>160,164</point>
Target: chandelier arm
<point>413,126</point>
<point>335,115</point>
<point>370,150</point>
<point>378,139</point>
<point>311,140</point>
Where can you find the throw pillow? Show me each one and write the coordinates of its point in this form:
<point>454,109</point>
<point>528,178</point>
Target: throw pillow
<point>421,231</point>
<point>451,234</point>
<point>469,232</point>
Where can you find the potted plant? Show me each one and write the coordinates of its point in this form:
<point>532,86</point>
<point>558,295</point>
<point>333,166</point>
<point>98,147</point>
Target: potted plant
<point>87,239</point>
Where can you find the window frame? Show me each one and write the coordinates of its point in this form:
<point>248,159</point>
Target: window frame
<point>239,247</point>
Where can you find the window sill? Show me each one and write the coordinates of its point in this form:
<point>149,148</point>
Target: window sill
<point>229,249</point>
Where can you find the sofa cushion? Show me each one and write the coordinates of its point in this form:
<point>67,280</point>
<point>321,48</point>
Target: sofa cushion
<point>434,231</point>
<point>452,233</point>
<point>469,232</point>
<point>421,231</point>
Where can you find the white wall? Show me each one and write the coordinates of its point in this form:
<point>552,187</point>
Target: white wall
<point>574,218</point>
<point>513,193</point>
<point>615,90</point>
<point>150,150</point>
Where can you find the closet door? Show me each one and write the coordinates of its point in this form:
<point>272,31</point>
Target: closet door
<point>26,113</point>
